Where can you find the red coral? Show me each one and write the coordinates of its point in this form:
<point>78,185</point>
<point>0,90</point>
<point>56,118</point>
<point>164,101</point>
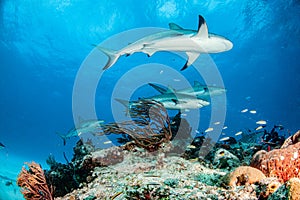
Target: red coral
<point>282,163</point>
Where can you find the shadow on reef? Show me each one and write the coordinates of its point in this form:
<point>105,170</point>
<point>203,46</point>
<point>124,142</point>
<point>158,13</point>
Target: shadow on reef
<point>151,133</point>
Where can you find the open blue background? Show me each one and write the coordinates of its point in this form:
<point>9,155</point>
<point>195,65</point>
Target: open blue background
<point>43,43</point>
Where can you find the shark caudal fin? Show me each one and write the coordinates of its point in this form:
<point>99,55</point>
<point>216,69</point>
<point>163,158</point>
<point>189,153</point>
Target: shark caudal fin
<point>63,137</point>
<point>112,55</point>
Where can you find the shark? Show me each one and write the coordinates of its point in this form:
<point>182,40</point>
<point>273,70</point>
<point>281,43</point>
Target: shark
<point>171,101</point>
<point>88,126</point>
<point>178,39</point>
<point>199,90</point>
<point>2,146</point>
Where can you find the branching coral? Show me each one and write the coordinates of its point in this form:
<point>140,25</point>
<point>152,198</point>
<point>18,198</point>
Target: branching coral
<point>282,163</point>
<point>33,183</point>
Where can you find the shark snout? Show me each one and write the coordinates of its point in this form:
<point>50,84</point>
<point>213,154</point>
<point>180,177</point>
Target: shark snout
<point>229,44</point>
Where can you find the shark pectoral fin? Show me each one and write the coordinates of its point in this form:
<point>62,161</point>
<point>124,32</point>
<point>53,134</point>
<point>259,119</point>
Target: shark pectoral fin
<point>174,26</point>
<point>176,101</point>
<point>191,58</point>
<point>148,50</point>
<point>202,28</point>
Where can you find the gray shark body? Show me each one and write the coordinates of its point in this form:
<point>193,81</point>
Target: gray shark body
<point>89,126</point>
<point>199,90</point>
<point>192,42</point>
<point>172,101</point>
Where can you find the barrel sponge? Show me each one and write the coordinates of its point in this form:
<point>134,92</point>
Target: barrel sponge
<point>282,163</point>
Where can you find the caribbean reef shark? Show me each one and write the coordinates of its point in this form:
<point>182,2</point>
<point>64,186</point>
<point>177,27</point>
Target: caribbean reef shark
<point>89,126</point>
<point>192,42</point>
<point>171,101</point>
<point>199,90</point>
<point>1,146</point>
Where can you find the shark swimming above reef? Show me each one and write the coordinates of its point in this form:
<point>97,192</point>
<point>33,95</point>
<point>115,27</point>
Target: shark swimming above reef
<point>199,90</point>
<point>172,101</point>
<point>192,42</point>
<point>89,126</point>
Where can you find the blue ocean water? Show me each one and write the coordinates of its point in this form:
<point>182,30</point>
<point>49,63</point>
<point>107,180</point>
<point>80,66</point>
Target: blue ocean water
<point>44,43</point>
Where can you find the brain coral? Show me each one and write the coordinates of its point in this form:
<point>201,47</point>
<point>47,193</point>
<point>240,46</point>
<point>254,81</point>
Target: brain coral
<point>282,163</point>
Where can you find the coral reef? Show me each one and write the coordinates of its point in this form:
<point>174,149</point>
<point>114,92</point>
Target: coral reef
<point>243,175</point>
<point>225,159</point>
<point>268,186</point>
<point>281,163</point>
<point>149,128</point>
<point>105,157</point>
<point>157,159</point>
<point>33,183</point>
<point>288,191</point>
<point>293,186</point>
<point>291,140</point>
<point>71,174</point>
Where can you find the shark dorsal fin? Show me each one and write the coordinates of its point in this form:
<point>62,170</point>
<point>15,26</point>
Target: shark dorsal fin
<point>170,90</point>
<point>174,26</point>
<point>123,102</point>
<point>158,88</point>
<point>202,28</point>
<point>197,83</point>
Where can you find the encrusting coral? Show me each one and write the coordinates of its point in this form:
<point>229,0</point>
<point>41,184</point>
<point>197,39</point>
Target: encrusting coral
<point>282,163</point>
<point>33,183</point>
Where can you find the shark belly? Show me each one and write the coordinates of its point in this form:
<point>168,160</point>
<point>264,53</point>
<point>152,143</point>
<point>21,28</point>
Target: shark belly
<point>181,43</point>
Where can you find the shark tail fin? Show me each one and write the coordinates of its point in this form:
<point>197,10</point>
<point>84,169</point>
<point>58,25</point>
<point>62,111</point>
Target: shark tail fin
<point>63,137</point>
<point>112,55</point>
<point>158,88</point>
